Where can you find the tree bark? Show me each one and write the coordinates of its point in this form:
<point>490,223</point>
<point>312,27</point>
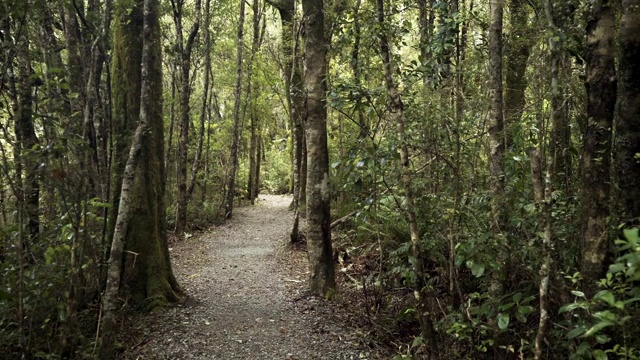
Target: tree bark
<point>295,101</point>
<point>27,141</point>
<point>110,303</point>
<point>517,56</point>
<point>322,278</point>
<point>548,245</point>
<point>601,93</point>
<point>185,50</point>
<point>197,162</point>
<point>628,121</point>
<point>252,184</point>
<point>147,268</point>
<point>235,140</point>
<point>497,148</point>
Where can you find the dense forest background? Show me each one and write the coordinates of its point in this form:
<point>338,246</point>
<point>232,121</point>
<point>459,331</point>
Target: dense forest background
<point>480,160</point>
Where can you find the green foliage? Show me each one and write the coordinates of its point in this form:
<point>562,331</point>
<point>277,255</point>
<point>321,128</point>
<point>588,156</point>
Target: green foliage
<point>276,178</point>
<point>603,326</point>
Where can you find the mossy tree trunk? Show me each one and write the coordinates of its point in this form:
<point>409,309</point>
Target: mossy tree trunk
<point>497,148</point>
<point>147,276</point>
<point>322,278</point>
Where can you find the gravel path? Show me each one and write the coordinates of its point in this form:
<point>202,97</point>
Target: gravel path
<point>247,298</point>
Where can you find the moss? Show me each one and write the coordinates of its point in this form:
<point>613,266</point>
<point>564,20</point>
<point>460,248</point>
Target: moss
<point>148,278</point>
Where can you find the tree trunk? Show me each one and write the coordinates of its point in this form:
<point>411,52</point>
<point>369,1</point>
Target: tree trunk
<point>497,148</point>
<point>601,92</point>
<point>252,190</point>
<point>147,269</point>
<point>295,101</point>
<point>396,107</point>
<point>628,122</point>
<point>517,57</point>
<point>235,140</point>
<point>185,50</point>
<point>546,203</point>
<point>322,280</point>
<point>141,191</point>
<point>27,142</point>
<point>197,162</point>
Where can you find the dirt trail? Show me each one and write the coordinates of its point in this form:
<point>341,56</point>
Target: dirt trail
<point>247,299</point>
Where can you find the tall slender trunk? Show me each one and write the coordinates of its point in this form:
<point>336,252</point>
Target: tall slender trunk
<point>357,71</point>
<point>235,139</point>
<point>252,191</point>
<point>497,148</point>
<point>197,161</point>
<point>396,107</point>
<point>185,49</point>
<point>548,245</point>
<point>27,141</point>
<point>319,249</point>
<point>518,53</point>
<point>596,152</point>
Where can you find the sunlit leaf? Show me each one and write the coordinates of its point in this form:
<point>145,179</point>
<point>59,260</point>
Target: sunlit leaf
<point>503,320</point>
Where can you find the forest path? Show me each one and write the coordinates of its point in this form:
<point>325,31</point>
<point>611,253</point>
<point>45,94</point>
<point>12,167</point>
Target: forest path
<point>247,298</point>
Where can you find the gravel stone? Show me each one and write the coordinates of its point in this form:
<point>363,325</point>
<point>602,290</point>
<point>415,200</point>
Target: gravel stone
<point>247,298</point>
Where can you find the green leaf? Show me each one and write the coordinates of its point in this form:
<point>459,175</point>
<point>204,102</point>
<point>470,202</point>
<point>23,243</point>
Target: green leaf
<point>503,321</point>
<point>476,269</point>
<point>597,327</point>
<point>599,355</point>
<point>606,316</point>
<point>577,293</point>
<point>417,342</point>
<point>573,306</point>
<point>602,339</point>
<point>606,296</point>
<point>632,235</point>
<point>517,297</point>
<point>576,332</point>
<point>615,268</point>
<point>526,309</point>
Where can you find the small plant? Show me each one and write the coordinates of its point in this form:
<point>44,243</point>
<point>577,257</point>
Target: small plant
<point>604,325</point>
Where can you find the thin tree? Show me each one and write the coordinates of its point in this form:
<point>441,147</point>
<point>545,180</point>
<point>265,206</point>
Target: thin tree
<point>254,143</point>
<point>197,161</point>
<point>235,138</point>
<point>396,107</point>
<point>496,145</point>
<point>546,203</point>
<point>295,102</point>
<point>185,49</point>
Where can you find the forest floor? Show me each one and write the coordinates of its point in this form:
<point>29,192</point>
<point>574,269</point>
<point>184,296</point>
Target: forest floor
<point>247,298</point>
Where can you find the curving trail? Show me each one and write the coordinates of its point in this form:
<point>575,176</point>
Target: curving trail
<point>246,298</point>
